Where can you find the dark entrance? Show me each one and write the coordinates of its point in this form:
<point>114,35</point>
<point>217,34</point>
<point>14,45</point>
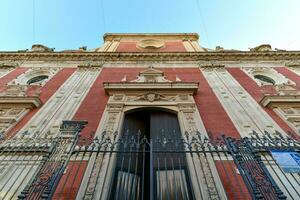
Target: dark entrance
<point>148,166</point>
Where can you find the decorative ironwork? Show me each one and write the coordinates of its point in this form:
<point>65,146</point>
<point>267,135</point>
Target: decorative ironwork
<point>247,154</point>
<point>45,181</point>
<point>130,166</point>
<point>126,163</point>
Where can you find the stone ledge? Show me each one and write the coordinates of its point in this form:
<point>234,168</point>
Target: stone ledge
<point>24,102</point>
<point>274,101</point>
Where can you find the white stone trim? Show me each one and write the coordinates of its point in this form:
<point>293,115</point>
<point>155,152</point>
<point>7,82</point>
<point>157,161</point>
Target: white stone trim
<point>245,113</point>
<point>112,120</point>
<point>62,105</point>
<point>269,72</point>
<point>34,72</point>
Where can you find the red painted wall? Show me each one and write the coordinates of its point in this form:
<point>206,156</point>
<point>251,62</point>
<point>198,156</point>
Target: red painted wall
<point>214,117</point>
<point>233,182</point>
<point>70,181</point>
<point>172,46</point>
<point>91,109</point>
<point>290,75</point>
<point>257,93</point>
<point>46,92</point>
<point>11,76</point>
<point>215,120</point>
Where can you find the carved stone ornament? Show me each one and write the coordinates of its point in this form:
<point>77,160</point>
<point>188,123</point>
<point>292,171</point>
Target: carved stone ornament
<point>9,64</point>
<point>293,63</point>
<point>262,48</point>
<point>150,80</point>
<point>211,64</point>
<point>41,48</point>
<point>15,90</point>
<point>151,97</point>
<point>151,75</point>
<point>272,74</point>
<point>150,44</point>
<point>286,90</point>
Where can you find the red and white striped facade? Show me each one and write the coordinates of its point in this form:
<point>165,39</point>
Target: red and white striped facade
<point>231,97</point>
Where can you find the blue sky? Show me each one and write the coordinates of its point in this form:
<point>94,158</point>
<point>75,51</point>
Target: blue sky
<point>69,24</point>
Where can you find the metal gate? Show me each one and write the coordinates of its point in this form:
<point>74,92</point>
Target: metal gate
<point>134,167</point>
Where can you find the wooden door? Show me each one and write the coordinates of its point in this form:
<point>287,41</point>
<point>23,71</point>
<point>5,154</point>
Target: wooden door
<point>150,172</point>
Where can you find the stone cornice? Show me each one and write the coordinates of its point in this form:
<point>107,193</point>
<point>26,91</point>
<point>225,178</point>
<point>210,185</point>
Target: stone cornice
<point>151,56</point>
<point>24,102</point>
<point>274,101</point>
<point>138,36</point>
<point>171,87</point>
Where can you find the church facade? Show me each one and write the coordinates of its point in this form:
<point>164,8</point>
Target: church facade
<point>150,116</point>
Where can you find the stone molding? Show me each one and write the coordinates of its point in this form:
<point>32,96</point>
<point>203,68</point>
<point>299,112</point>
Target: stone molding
<point>277,77</point>
<point>152,56</point>
<point>25,102</point>
<point>138,36</point>
<point>35,72</point>
<point>274,101</point>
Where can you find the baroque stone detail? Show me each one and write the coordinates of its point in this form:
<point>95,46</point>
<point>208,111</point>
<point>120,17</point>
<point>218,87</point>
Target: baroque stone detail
<point>150,56</point>
<point>268,72</point>
<point>91,65</point>
<point>286,90</point>
<point>9,64</point>
<point>111,121</point>
<point>41,48</point>
<point>211,64</point>
<point>262,48</point>
<point>15,90</point>
<point>30,74</point>
<point>150,44</point>
<point>293,63</point>
<point>118,97</point>
<point>188,111</point>
<point>151,75</point>
<point>70,129</point>
<point>151,97</point>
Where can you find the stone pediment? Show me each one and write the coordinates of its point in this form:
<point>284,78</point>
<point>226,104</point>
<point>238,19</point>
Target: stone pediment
<point>286,95</point>
<point>16,95</point>
<point>150,80</point>
<point>151,75</point>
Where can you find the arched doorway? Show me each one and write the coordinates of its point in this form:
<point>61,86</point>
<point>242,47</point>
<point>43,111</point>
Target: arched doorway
<point>151,163</point>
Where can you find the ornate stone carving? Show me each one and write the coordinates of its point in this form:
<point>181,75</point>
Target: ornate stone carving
<point>118,97</point>
<point>41,48</point>
<point>70,129</point>
<point>151,97</point>
<point>146,57</point>
<point>151,75</point>
<point>114,107</point>
<point>268,72</point>
<point>111,122</point>
<point>262,48</point>
<point>25,78</point>
<point>286,90</point>
<point>211,64</point>
<point>15,90</point>
<point>293,63</point>
<point>150,44</point>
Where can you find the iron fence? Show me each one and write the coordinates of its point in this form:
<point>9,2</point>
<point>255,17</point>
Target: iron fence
<point>133,166</point>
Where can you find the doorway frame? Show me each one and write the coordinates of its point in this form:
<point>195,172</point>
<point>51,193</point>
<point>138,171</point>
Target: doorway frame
<point>182,103</point>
